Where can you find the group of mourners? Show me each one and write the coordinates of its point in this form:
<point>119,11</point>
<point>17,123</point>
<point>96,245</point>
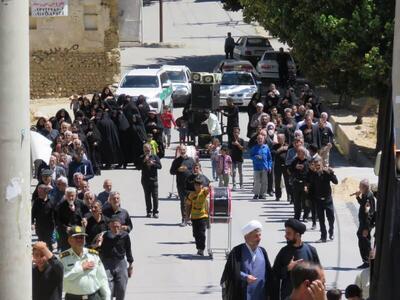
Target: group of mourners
<point>290,137</point>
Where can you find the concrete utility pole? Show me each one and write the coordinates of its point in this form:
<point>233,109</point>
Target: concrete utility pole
<point>161,22</point>
<point>396,77</point>
<point>15,205</point>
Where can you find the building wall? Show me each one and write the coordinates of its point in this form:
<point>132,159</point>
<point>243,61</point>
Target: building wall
<point>75,54</point>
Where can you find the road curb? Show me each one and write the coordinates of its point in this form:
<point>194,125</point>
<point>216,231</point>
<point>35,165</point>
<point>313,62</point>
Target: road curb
<point>347,147</point>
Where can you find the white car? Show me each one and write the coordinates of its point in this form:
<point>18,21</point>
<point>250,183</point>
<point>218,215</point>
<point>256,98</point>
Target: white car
<point>154,84</point>
<point>268,66</point>
<point>251,48</point>
<point>180,77</point>
<point>240,86</point>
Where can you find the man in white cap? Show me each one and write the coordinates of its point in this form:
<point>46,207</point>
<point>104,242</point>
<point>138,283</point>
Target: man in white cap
<point>248,274</point>
<point>256,118</point>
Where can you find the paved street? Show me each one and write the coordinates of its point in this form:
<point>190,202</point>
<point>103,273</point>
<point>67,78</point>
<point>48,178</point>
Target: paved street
<point>166,266</point>
<point>165,263</point>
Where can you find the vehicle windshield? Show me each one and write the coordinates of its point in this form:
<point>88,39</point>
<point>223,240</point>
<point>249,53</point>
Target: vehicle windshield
<point>258,42</point>
<point>274,56</point>
<point>270,56</point>
<point>139,81</point>
<point>237,79</point>
<point>176,76</point>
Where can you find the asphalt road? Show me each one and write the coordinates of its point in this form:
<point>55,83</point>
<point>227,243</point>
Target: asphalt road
<point>166,266</point>
<point>165,262</point>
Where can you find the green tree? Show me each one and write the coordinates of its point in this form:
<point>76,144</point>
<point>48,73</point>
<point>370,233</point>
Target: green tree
<point>344,44</point>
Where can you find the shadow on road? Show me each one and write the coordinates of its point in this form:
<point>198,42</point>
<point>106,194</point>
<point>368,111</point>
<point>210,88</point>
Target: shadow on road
<point>204,63</point>
<point>187,256</point>
<point>163,224</point>
<point>175,243</point>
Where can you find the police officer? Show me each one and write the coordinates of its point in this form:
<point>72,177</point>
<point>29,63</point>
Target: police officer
<point>84,273</point>
<point>114,246</point>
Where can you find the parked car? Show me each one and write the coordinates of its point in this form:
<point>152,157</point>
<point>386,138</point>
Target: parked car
<point>227,65</point>
<point>251,48</point>
<point>154,84</point>
<point>180,77</point>
<point>240,86</point>
<point>268,66</point>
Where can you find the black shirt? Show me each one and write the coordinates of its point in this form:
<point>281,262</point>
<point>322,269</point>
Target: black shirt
<point>363,217</point>
<point>232,113</point>
<point>306,252</point>
<point>67,217</point>
<point>299,175</point>
<point>93,227</point>
<point>320,184</point>
<point>47,285</point>
<point>149,172</point>
<point>279,153</point>
<point>122,214</point>
<point>236,153</point>
<point>43,214</point>
<point>182,176</point>
<point>116,246</point>
<point>325,135</point>
<point>103,197</point>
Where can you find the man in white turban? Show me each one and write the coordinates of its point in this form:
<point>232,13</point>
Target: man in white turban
<point>248,274</point>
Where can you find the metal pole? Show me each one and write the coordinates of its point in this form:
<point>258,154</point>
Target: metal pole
<point>161,22</point>
<point>15,205</point>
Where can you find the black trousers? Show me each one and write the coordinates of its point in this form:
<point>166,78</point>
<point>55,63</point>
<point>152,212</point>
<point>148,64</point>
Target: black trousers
<point>150,188</point>
<point>182,193</point>
<point>325,207</point>
<point>299,199</point>
<point>270,178</point>
<point>199,232</point>
<point>229,52</point>
<point>364,243</point>
<point>313,210</point>
<point>280,171</point>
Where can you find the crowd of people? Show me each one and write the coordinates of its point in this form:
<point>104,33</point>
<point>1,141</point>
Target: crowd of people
<point>289,137</point>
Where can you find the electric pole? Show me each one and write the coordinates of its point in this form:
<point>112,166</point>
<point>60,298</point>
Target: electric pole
<point>161,22</point>
<point>15,204</point>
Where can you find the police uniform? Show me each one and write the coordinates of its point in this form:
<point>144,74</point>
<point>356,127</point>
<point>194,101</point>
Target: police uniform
<point>80,284</point>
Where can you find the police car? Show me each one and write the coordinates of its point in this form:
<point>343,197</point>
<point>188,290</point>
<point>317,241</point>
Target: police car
<point>154,84</point>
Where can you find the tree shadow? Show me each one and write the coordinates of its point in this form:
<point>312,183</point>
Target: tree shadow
<point>175,243</point>
<point>187,256</point>
<point>163,224</point>
<point>204,63</point>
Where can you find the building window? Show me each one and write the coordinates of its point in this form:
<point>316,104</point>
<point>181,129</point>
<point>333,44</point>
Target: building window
<point>90,17</point>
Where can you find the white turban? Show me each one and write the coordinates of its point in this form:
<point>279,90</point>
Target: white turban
<point>251,226</point>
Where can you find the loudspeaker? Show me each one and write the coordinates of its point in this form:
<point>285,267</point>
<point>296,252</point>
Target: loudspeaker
<point>205,96</point>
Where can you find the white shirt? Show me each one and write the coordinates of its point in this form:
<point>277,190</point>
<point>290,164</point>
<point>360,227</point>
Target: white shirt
<point>362,280</point>
<point>214,127</point>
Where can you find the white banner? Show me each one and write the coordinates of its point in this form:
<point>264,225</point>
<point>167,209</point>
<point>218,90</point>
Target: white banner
<point>49,8</point>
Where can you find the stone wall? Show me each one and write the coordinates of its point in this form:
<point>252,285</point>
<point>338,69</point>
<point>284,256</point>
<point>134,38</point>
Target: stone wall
<point>67,58</point>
